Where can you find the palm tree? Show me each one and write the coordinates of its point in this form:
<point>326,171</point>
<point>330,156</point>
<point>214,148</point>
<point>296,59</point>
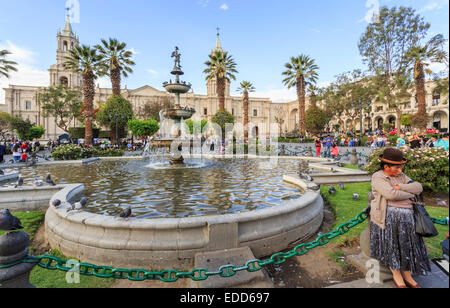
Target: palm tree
<point>301,72</point>
<point>419,58</point>
<point>313,90</point>
<point>116,62</point>
<point>85,60</point>
<point>245,88</point>
<point>221,67</point>
<point>5,65</point>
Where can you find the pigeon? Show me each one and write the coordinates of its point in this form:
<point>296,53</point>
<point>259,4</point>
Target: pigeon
<point>82,204</point>
<point>9,222</point>
<point>332,190</point>
<point>355,196</point>
<point>126,213</point>
<point>441,202</point>
<point>49,180</point>
<point>340,165</point>
<point>306,177</point>
<point>56,203</point>
<point>361,167</point>
<point>19,182</point>
<point>341,185</point>
<point>38,183</point>
<point>1,172</point>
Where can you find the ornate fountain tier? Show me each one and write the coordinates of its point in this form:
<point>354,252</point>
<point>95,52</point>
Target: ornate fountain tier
<point>176,114</point>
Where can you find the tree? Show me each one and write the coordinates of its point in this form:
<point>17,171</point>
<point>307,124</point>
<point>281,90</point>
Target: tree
<point>85,60</point>
<point>191,123</point>
<point>115,114</point>
<point>419,58</point>
<point>151,109</point>
<point>221,118</point>
<point>384,47</point>
<point>245,88</point>
<point>25,129</point>
<point>406,120</point>
<point>316,120</point>
<point>116,61</point>
<point>143,128</point>
<point>221,67</point>
<point>301,72</point>
<point>62,103</point>
<point>5,124</point>
<point>5,65</point>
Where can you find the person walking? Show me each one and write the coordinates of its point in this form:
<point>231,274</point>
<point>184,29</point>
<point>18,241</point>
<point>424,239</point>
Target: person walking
<point>393,238</point>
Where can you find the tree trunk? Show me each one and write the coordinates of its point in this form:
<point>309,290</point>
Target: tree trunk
<point>88,105</point>
<point>115,80</point>
<point>420,90</point>
<point>246,116</point>
<point>301,104</point>
<point>221,93</point>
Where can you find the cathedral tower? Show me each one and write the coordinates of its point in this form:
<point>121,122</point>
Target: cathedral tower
<point>66,40</point>
<point>211,85</point>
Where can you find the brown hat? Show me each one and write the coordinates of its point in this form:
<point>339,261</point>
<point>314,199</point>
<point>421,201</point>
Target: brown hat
<point>393,156</point>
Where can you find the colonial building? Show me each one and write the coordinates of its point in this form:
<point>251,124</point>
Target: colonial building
<point>24,100</point>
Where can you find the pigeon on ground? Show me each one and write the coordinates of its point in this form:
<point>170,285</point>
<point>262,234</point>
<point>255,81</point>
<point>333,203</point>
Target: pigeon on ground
<point>361,167</point>
<point>441,202</point>
<point>355,196</point>
<point>38,183</point>
<point>9,222</point>
<point>56,203</point>
<point>332,190</point>
<point>126,213</point>
<point>341,185</point>
<point>19,182</point>
<point>1,172</point>
<point>306,177</point>
<point>49,180</point>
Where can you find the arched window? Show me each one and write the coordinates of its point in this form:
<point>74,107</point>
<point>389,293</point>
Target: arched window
<point>65,46</point>
<point>63,81</point>
<point>436,98</point>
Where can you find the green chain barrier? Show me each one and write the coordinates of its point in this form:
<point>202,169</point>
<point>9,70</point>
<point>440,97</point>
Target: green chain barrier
<point>200,274</point>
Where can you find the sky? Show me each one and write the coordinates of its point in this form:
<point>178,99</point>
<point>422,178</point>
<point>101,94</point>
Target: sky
<point>261,36</point>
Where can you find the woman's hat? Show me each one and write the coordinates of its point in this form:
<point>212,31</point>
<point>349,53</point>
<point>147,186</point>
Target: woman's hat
<point>393,156</point>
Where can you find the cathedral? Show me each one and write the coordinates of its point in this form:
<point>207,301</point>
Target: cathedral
<point>23,101</point>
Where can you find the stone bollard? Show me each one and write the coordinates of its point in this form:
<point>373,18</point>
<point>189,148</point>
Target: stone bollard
<point>354,158</point>
<point>283,150</point>
<point>14,247</point>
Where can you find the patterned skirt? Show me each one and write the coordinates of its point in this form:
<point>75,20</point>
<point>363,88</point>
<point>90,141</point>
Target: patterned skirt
<point>398,246</point>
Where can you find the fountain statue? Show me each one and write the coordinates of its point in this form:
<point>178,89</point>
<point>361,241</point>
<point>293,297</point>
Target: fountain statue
<point>172,117</point>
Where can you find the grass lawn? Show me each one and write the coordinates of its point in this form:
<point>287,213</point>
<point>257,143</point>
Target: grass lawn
<point>348,166</point>
<point>345,209</point>
<point>44,278</point>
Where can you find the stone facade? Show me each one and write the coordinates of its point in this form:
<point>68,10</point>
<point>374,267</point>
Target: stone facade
<point>23,100</point>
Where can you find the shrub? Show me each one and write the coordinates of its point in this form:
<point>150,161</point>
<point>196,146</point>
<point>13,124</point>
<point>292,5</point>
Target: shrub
<point>429,166</point>
<point>73,152</point>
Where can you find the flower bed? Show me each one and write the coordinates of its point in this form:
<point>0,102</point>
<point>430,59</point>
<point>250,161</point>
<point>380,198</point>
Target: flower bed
<point>429,166</point>
<point>73,152</point>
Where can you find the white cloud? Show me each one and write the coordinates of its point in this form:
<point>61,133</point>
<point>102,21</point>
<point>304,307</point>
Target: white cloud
<point>27,74</point>
<point>203,3</point>
<point>433,5</point>
<point>277,95</point>
<point>134,51</point>
<point>153,72</point>
<point>224,7</point>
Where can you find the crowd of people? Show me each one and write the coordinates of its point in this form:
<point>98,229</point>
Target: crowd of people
<point>21,151</point>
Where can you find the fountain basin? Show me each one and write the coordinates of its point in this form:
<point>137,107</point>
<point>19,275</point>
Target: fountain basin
<point>177,88</point>
<point>178,114</point>
<point>174,242</point>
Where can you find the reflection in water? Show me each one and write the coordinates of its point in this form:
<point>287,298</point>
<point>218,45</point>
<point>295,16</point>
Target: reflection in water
<point>221,186</point>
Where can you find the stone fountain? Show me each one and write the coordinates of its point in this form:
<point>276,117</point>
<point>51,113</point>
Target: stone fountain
<point>171,118</point>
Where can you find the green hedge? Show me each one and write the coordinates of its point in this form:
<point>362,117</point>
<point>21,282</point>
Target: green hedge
<point>79,132</point>
<point>73,152</point>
